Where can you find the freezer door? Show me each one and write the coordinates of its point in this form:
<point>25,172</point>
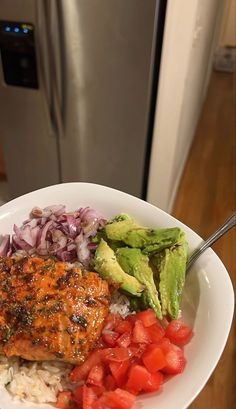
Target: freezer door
<point>27,137</point>
<point>106,55</point>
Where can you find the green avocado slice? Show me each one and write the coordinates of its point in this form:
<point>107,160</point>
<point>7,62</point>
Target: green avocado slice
<point>125,229</point>
<point>171,264</point>
<point>106,264</point>
<point>135,263</point>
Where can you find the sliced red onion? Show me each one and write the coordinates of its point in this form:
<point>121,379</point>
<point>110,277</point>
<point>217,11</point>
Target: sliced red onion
<point>66,255</point>
<point>41,242</point>
<point>19,244</point>
<point>53,231</point>
<point>57,210</point>
<point>71,247</point>
<point>92,246</point>
<point>29,235</point>
<point>60,244</point>
<point>72,226</point>
<point>82,250</point>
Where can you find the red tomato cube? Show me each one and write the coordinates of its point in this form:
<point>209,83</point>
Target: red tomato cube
<point>124,326</point>
<point>122,399</point>
<point>154,383</point>
<point>117,354</point>
<point>89,397</point>
<point>98,390</point>
<point>110,383</point>
<point>138,378</point>
<point>96,375</point>
<point>110,337</point>
<point>78,395</point>
<point>154,358</point>
<point>81,372</point>
<point>111,321</point>
<point>175,360</point>
<point>119,371</point>
<point>124,340</point>
<point>178,332</point>
<point>140,333</point>
<point>118,399</point>
<point>148,317</point>
<point>155,332</point>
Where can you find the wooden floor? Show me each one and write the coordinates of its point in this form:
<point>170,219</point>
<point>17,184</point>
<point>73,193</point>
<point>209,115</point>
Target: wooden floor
<point>206,197</point>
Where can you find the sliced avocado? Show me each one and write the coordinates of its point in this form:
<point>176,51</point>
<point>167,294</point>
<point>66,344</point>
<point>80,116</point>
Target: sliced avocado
<point>120,217</point>
<point>106,264</point>
<point>171,264</point>
<point>135,263</point>
<point>152,239</point>
<point>117,230</point>
<point>126,230</point>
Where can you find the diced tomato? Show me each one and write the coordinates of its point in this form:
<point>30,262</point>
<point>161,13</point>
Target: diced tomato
<point>140,333</point>
<point>96,375</point>
<point>131,318</point>
<point>118,354</point>
<point>99,344</point>
<point>119,371</point>
<point>136,351</point>
<point>110,383</point>
<point>124,326</point>
<point>164,344</point>
<point>122,399</point>
<point>126,399</point>
<point>148,317</point>
<point>111,321</point>
<point>154,383</point>
<point>138,379</point>
<point>78,395</point>
<point>98,390</point>
<point>124,340</point>
<point>134,354</point>
<point>81,372</point>
<point>101,403</point>
<point>154,358</point>
<point>89,397</point>
<point>175,360</point>
<point>178,332</point>
<point>65,400</point>
<point>155,332</point>
<point>110,337</point>
<point>118,399</point>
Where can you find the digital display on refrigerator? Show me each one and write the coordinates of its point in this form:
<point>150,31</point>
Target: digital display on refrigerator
<point>18,54</point>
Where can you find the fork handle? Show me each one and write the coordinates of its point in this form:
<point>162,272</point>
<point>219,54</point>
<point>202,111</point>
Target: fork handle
<point>226,226</point>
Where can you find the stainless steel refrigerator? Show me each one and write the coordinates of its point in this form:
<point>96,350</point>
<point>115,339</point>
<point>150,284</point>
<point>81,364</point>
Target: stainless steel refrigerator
<point>78,84</point>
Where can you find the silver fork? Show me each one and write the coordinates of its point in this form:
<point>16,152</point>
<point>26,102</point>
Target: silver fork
<point>226,226</point>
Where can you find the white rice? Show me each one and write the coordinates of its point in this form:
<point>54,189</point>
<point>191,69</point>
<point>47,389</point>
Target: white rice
<point>37,382</point>
<point>40,382</point>
<point>120,303</point>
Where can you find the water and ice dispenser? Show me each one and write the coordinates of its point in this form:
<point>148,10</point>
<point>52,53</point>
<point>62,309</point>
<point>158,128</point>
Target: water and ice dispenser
<point>18,54</point>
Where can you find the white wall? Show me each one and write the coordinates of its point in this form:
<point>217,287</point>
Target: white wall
<point>189,42</point>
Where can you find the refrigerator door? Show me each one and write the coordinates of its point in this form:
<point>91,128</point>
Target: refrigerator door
<point>106,63</point>
<point>28,138</point>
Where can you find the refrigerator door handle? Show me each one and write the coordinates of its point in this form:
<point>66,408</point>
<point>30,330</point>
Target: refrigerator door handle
<point>48,68</point>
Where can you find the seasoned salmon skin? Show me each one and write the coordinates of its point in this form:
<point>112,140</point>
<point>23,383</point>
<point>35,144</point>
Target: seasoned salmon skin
<point>50,310</point>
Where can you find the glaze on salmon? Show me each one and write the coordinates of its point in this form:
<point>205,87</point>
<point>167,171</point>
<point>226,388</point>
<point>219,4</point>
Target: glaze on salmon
<point>50,310</point>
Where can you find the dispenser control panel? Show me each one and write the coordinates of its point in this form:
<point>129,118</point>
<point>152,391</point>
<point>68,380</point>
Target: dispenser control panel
<point>18,55</point>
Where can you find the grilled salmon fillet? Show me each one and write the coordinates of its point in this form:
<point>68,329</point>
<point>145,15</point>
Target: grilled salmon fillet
<point>50,310</point>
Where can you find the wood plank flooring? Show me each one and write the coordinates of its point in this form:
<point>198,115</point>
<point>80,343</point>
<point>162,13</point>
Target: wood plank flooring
<point>206,197</point>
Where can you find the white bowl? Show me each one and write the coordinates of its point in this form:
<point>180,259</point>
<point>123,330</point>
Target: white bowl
<point>208,300</point>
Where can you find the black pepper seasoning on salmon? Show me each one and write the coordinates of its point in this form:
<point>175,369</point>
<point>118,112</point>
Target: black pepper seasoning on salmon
<point>47,309</point>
